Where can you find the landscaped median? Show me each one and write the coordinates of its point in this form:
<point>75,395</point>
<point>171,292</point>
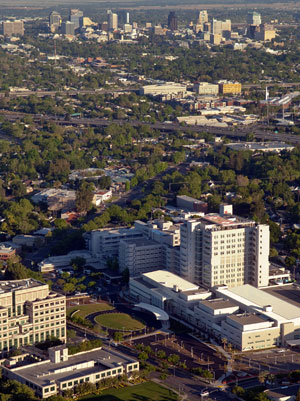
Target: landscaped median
<point>119,321</point>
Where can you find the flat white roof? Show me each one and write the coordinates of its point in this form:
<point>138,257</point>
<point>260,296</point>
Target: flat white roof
<point>160,314</point>
<point>169,280</point>
<point>253,297</point>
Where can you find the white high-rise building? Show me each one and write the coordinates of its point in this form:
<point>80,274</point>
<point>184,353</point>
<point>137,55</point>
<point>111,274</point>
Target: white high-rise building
<point>224,249</point>
<point>112,20</point>
<point>254,18</point>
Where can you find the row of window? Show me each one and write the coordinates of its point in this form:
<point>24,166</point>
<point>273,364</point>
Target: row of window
<point>48,304</point>
<point>47,312</point>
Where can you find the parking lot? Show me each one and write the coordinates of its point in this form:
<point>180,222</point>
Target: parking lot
<point>274,360</point>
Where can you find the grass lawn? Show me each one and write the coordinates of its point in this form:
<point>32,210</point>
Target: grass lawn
<point>85,310</point>
<point>119,321</point>
<point>148,391</point>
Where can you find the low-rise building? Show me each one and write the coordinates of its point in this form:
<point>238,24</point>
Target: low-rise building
<point>275,147</point>
<point>7,252</point>
<point>192,204</point>
<point>249,318</point>
<point>53,263</point>
<point>206,88</point>
<point>62,371</point>
<point>168,88</point>
<point>56,199</point>
<point>101,197</point>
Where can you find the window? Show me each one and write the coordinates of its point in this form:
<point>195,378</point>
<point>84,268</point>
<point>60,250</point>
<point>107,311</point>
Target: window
<point>64,385</point>
<point>46,390</point>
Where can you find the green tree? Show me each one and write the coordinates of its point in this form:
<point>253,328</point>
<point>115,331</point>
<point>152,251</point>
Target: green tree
<point>84,196</point>
<point>118,336</point>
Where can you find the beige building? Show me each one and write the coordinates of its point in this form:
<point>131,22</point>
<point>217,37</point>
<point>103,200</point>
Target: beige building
<point>215,38</point>
<point>205,88</point>
<point>63,372</point>
<point>30,313</point>
<point>11,28</point>
<point>222,28</point>
<point>266,32</point>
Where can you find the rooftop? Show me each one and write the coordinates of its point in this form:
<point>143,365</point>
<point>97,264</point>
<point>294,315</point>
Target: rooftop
<point>283,392</point>
<point>288,293</point>
<point>100,359</point>
<point>263,146</point>
<point>13,285</point>
<point>247,319</point>
<point>257,299</point>
<point>170,280</point>
<point>218,303</point>
<point>224,221</point>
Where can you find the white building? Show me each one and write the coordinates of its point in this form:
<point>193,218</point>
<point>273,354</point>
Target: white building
<point>104,244</point>
<point>55,262</point>
<point>140,255</point>
<point>224,249</point>
<point>112,21</point>
<point>101,197</point>
<point>206,88</point>
<point>249,318</point>
<point>168,292</point>
<point>168,88</point>
<point>62,371</point>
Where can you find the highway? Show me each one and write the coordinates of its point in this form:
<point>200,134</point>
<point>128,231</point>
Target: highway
<point>242,132</point>
<point>71,92</point>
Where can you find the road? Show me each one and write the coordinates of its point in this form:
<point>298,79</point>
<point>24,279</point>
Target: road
<point>71,92</point>
<point>257,132</point>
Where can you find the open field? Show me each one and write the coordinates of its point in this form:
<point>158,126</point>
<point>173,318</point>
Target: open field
<point>119,321</point>
<point>88,309</point>
<point>145,391</point>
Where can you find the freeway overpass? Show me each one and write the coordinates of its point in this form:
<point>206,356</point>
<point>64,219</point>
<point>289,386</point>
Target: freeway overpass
<point>258,132</point>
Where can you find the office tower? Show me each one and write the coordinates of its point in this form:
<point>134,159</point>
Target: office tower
<point>30,313</point>
<point>203,17</point>
<point>124,17</point>
<point>172,21</point>
<point>55,19</point>
<point>220,27</point>
<point>11,28</point>
<point>76,16</point>
<point>224,249</point>
<point>254,18</point>
<point>68,28</point>
<point>112,21</point>
<point>104,26</point>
